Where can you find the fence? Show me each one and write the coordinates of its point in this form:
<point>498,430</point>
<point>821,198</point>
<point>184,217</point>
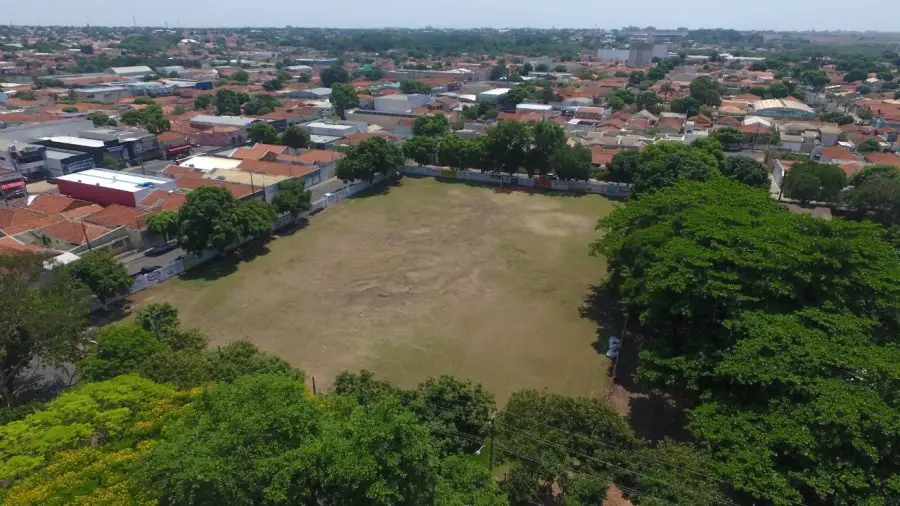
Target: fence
<point>614,190</point>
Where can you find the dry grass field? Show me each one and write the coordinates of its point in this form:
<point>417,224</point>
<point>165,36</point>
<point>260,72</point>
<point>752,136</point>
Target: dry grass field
<point>422,279</point>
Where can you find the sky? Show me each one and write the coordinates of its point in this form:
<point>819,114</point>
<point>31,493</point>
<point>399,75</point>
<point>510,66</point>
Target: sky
<point>760,14</point>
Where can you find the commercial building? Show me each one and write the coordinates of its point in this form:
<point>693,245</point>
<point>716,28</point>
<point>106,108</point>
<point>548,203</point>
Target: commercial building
<point>492,96</point>
<point>24,158</point>
<point>779,108</point>
<point>103,93</point>
<point>400,103</point>
<point>209,121</point>
<point>613,55</point>
<point>134,71</point>
<point>59,162</point>
<point>111,187</point>
<point>641,54</point>
<point>312,94</point>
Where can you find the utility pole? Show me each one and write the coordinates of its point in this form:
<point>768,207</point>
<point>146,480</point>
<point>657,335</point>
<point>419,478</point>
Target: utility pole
<point>491,457</point>
<point>616,361</point>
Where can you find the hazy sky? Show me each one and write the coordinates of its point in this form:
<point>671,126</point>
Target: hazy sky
<point>760,14</point>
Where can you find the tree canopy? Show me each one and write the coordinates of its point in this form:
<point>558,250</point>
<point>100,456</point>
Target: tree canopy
<point>812,181</point>
<point>343,97</point>
<point>369,158</point>
<point>718,277</point>
<point>664,163</point>
<point>102,274</point>
<point>296,137</point>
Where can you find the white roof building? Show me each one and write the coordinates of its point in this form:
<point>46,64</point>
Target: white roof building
<point>137,70</point>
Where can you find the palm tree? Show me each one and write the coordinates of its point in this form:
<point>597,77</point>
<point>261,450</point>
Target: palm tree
<point>666,88</point>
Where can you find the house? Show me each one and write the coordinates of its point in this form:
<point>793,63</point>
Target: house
<point>829,133</point>
<point>671,125</point>
<point>174,144</point>
<point>310,94</point>
<point>883,159</point>
<point>781,168</point>
<point>491,96</point>
<point>836,154</point>
<point>51,203</point>
<point>260,151</point>
<point>163,200</point>
<point>66,235</point>
<point>16,220</point>
<point>792,143</point>
<point>603,157</point>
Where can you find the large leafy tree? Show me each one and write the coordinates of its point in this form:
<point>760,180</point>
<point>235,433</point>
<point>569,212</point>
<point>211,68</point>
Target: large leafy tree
<point>293,198</point>
<point>623,166</point>
<point>37,320</point>
<point>876,194</point>
<point>119,349</point>
<point>421,148</point>
<point>728,136</point>
<point>446,405</point>
<point>808,181</point>
<point>740,306</point>
<point>102,274</point>
<point>431,125</point>
<point>665,163</point>
<point>343,97</point>
<point>206,220</point>
<point>296,137</point>
<point>163,223</point>
<point>369,158</point>
<point>254,218</point>
<point>572,162</point>
<point>507,146</point>
<point>706,91</point>
<point>452,151</point>
<point>263,132</point>
<point>547,140</point>
<point>334,74</point>
<point>746,170</point>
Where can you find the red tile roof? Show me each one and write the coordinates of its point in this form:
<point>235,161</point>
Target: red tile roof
<point>883,158</point>
<point>51,203</point>
<point>75,232</point>
<point>193,182</point>
<point>274,168</point>
<point>600,156</point>
<point>10,245</point>
<point>15,220</point>
<point>115,216</point>
<point>164,200</point>
<point>838,153</point>
<point>316,156</point>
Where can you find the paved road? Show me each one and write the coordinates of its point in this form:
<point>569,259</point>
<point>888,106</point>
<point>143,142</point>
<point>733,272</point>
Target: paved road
<point>328,186</point>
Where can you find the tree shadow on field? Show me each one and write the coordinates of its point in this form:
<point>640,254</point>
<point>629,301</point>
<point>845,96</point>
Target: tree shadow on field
<point>652,413</point>
<point>379,189</point>
<point>227,263</point>
<point>506,188</point>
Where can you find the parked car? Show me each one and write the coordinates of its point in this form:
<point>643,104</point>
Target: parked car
<point>159,249</point>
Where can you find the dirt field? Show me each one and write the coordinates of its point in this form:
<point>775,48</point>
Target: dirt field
<point>424,279</point>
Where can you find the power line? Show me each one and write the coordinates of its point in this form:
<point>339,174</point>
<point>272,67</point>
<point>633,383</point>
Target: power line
<point>558,467</point>
<point>584,455</point>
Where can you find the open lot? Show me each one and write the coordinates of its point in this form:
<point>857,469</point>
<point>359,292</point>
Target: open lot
<point>421,279</point>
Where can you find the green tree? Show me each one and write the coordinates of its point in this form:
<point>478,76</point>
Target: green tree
<point>431,125</point>
<point>39,320</point>
<point>296,137</point>
<point>119,349</point>
<point>241,77</point>
<point>572,162</point>
<point>463,482</point>
<point>206,220</point>
<point>452,151</point>
<point>369,158</point>
<point>746,170</point>
<point>228,102</point>
<point>203,102</point>
<point>259,104</point>
<point>273,85</point>
<point>413,86</point>
<point>507,145</point>
<point>854,76</point>
<point>706,91</point>
<point>99,119</point>
<point>164,223</point>
<point>876,195</point>
<point>729,136</point>
<point>664,163</point>
<point>161,319</point>
<point>688,105</point>
<point>102,275</point>
<point>869,145</point>
<point>446,405</point>
<point>263,132</point>
<point>334,74</point>
<point>648,100</point>
<point>809,181</point>
<point>546,140</point>
<point>623,166</point>
<point>293,198</point>
<point>343,97</point>
<point>420,148</point>
<point>254,218</point>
